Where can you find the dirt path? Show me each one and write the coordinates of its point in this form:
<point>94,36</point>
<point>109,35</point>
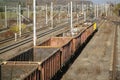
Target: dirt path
<point>94,61</point>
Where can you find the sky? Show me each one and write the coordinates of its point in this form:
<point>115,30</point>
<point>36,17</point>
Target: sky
<point>104,1</point>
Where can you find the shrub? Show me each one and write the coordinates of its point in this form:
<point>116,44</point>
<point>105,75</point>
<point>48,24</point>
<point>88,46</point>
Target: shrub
<point>1,9</point>
<point>15,28</point>
<point>2,15</point>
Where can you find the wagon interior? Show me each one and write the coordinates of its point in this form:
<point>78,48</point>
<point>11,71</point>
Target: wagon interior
<point>17,71</point>
<point>56,41</point>
<point>49,47</point>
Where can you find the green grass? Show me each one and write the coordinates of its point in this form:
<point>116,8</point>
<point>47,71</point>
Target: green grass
<point>11,15</point>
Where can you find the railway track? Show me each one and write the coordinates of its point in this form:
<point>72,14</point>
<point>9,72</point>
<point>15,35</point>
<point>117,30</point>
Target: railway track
<point>116,55</point>
<point>30,38</point>
<point>22,36</point>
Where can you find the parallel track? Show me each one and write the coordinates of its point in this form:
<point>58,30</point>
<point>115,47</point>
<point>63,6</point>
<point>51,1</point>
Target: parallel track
<point>114,55</point>
<point>23,35</point>
<point>29,39</point>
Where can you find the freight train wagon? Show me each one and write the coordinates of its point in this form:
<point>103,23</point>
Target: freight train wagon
<point>20,71</point>
<point>60,50</point>
<point>54,53</point>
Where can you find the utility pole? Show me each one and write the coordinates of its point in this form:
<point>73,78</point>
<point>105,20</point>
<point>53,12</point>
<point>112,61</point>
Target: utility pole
<point>76,7</point>
<point>17,12</point>
<point>59,14</point>
<point>101,10</point>
<point>87,6</point>
<point>77,18</point>
<point>82,6</point>
<point>51,14</point>
<point>5,17</point>
<point>20,20</point>
<point>84,15</point>
<point>106,9</point>
<point>97,11</point>
<point>28,11</point>
<point>34,23</point>
<point>46,15</point>
<point>68,11</point>
<point>71,18</point>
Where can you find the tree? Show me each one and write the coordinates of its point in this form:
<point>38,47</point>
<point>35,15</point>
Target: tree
<point>116,9</point>
<point>2,9</point>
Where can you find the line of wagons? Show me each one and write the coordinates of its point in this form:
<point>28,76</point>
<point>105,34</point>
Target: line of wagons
<point>44,61</point>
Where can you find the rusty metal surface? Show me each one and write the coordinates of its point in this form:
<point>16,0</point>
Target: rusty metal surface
<point>66,52</point>
<point>42,53</point>
<point>51,66</point>
<point>50,55</point>
<point>17,71</point>
<point>56,41</point>
<point>25,56</point>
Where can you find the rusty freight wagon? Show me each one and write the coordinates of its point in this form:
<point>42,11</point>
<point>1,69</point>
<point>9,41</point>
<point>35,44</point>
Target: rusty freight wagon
<point>47,58</point>
<point>62,48</point>
<point>20,71</point>
<point>82,37</point>
<point>47,62</point>
<point>24,56</point>
<point>52,54</point>
<point>77,41</point>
